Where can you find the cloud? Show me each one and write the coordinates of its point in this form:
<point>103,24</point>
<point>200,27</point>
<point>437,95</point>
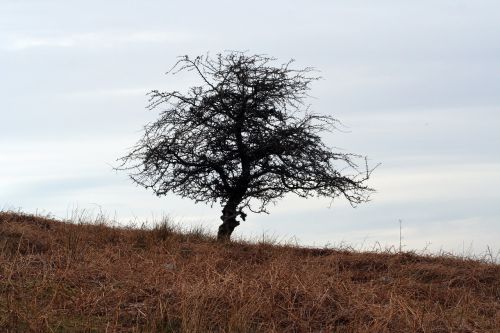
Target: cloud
<point>414,83</point>
<point>119,93</point>
<point>94,39</point>
<point>439,182</point>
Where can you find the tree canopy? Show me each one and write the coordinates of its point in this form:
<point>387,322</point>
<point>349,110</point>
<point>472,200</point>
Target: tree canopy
<point>243,137</point>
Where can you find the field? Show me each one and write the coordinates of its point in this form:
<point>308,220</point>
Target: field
<point>60,276</point>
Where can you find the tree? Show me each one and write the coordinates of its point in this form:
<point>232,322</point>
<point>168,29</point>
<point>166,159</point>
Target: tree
<point>244,137</point>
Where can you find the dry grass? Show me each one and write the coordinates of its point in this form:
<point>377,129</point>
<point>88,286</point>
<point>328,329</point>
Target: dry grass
<point>58,277</point>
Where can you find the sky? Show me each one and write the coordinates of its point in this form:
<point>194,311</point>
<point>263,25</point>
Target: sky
<point>414,83</point>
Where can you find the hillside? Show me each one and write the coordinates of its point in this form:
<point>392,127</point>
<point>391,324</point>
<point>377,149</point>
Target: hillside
<point>60,276</point>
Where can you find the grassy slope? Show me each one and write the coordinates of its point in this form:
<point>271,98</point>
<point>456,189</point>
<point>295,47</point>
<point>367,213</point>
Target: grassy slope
<point>57,276</point>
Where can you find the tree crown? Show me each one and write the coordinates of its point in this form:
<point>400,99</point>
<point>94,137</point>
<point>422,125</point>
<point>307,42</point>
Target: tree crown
<point>244,135</point>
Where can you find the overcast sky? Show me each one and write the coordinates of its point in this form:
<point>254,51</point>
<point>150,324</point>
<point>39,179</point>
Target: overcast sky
<point>416,84</point>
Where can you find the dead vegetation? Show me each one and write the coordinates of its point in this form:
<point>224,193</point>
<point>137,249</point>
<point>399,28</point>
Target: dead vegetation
<point>59,276</point>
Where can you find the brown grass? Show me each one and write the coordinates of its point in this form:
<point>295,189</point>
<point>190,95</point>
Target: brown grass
<point>58,276</point>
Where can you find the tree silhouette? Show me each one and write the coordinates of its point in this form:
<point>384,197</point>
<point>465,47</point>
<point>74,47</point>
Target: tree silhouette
<point>244,138</point>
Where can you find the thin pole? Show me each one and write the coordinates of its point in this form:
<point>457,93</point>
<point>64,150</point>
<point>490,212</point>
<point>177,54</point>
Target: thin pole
<point>400,221</point>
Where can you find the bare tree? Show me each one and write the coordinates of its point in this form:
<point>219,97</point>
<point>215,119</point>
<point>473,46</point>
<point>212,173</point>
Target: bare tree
<point>244,138</point>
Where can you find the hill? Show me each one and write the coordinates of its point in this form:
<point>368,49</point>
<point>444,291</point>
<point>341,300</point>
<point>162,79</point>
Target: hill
<point>62,276</point>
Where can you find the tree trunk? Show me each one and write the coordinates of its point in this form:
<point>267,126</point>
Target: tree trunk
<point>229,222</point>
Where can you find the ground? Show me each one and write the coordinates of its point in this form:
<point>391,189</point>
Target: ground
<point>60,276</point>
